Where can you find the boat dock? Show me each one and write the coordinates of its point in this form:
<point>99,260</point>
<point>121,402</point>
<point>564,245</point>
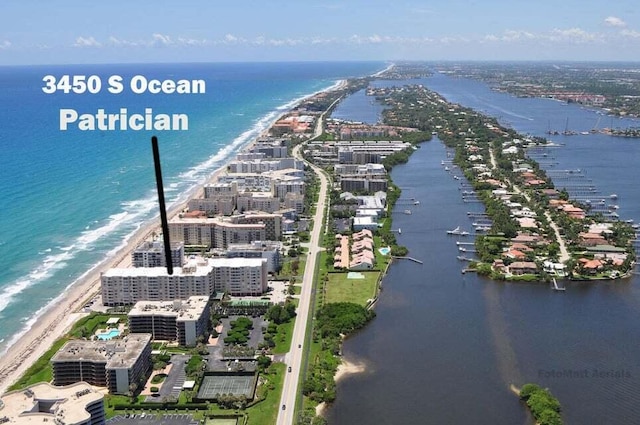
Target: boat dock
<point>415,260</point>
<point>557,287</point>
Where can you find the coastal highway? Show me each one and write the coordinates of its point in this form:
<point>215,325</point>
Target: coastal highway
<point>294,357</point>
<point>286,415</point>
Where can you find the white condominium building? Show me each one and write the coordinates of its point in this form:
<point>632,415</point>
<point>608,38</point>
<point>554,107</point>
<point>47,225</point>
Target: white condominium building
<point>199,277</point>
<point>43,403</point>
<point>116,364</point>
<point>129,285</point>
<point>178,320</point>
<point>240,276</point>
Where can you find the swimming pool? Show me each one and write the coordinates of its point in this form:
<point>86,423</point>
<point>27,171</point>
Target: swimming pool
<point>113,333</point>
<point>384,250</point>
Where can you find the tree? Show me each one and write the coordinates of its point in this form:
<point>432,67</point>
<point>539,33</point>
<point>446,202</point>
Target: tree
<point>264,362</point>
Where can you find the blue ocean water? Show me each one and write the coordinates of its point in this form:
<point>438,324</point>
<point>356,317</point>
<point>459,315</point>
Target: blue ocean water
<point>70,198</point>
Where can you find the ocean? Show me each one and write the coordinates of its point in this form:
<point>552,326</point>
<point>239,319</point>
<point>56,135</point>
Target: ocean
<point>71,199</point>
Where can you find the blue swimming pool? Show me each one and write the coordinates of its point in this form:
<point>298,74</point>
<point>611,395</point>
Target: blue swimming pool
<point>384,250</point>
<point>113,333</point>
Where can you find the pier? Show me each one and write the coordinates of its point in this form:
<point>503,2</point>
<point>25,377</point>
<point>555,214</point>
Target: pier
<point>556,287</point>
<point>415,260</point>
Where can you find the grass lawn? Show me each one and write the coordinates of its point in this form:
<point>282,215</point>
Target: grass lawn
<point>341,289</point>
<point>283,337</point>
<point>266,412</point>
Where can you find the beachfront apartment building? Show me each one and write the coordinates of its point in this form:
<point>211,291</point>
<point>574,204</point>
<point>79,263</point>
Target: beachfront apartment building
<point>280,187</point>
<point>272,147</point>
<point>116,364</point>
<point>264,165</point>
<point>258,201</point>
<point>198,277</point>
<point>43,403</point>
<point>214,232</point>
<point>269,250</point>
<point>151,254</point>
<point>183,321</point>
<point>272,224</point>
<point>213,206</point>
<point>221,189</point>
<point>240,276</point>
<point>294,201</point>
<point>126,286</point>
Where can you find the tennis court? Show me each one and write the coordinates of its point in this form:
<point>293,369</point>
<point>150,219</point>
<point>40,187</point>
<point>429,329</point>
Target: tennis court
<point>226,384</point>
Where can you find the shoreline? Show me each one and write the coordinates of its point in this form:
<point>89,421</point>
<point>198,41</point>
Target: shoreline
<point>345,369</point>
<point>58,316</point>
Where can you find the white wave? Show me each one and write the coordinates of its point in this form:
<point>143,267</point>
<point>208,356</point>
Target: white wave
<point>49,265</point>
<point>136,213</point>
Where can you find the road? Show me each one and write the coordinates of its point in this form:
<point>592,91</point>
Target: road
<point>294,357</point>
<point>564,253</point>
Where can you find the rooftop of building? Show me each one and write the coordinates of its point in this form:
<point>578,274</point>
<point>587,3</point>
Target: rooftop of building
<point>183,310</point>
<point>193,267</point>
<point>43,403</point>
<point>116,353</point>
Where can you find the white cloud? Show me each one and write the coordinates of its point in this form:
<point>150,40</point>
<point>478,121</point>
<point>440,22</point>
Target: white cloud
<point>575,35</point>
<point>230,38</point>
<point>630,34</point>
<point>4,45</point>
<point>161,40</point>
<point>114,41</point>
<point>612,21</point>
<point>517,35</point>
<point>86,42</point>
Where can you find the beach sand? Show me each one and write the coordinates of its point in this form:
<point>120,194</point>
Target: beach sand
<point>63,312</point>
<point>345,369</point>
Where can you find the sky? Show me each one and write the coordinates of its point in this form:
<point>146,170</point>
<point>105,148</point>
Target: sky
<point>117,31</point>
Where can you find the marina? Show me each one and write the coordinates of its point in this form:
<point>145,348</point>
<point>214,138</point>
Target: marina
<point>490,320</point>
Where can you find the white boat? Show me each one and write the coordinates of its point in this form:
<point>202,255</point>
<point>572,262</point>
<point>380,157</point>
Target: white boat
<point>399,231</point>
<point>446,168</point>
<point>416,203</point>
<point>613,196</point>
<point>457,231</point>
<point>408,212</point>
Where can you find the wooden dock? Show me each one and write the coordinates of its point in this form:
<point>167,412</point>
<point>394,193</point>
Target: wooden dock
<point>415,260</point>
<point>556,287</point>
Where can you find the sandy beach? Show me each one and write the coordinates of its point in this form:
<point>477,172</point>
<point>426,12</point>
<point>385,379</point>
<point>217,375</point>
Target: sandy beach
<point>345,369</point>
<point>65,310</point>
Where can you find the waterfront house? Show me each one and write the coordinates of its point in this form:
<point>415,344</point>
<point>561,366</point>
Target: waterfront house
<point>523,267</point>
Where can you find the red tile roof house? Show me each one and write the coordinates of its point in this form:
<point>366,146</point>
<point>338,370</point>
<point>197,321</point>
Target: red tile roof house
<point>523,267</point>
<point>592,239</point>
<point>364,233</point>
<point>590,266</point>
<point>534,182</point>
<point>574,212</point>
<point>526,239</point>
<point>551,193</point>
<point>515,254</point>
<point>498,265</point>
<point>521,247</point>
